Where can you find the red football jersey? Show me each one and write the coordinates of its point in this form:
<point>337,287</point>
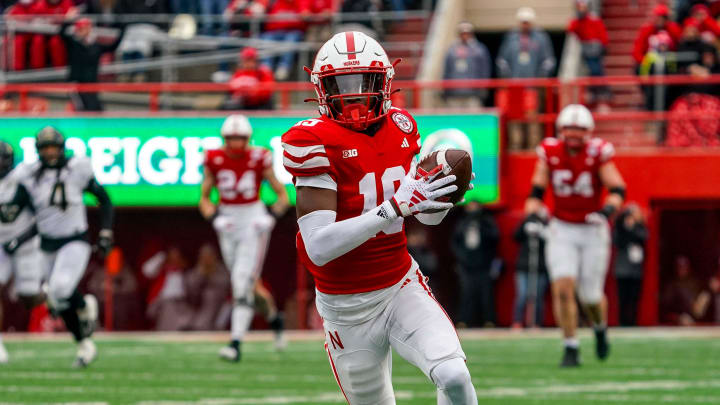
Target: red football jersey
<point>574,179</point>
<point>239,177</point>
<point>367,171</point>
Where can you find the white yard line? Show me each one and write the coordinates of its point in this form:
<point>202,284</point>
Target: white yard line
<point>610,392</point>
<point>556,392</point>
<point>315,335</point>
<point>58,403</point>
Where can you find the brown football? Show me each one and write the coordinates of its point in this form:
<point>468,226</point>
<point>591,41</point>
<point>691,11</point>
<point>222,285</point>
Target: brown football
<point>454,161</point>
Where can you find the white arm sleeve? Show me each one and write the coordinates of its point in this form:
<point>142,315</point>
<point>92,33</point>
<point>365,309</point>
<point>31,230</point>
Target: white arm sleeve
<point>431,219</point>
<point>326,240</point>
<point>321,181</point>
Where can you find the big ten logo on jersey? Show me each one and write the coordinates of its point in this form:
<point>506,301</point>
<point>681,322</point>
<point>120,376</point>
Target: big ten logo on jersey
<point>564,186</point>
<point>348,153</point>
<point>230,186</point>
<point>389,182</point>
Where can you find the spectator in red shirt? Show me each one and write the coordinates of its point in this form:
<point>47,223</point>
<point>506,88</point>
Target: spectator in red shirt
<point>591,32</point>
<point>56,10</point>
<point>709,28</point>
<point>25,43</point>
<point>660,22</point>
<point>290,30</point>
<point>322,11</point>
<point>251,85</point>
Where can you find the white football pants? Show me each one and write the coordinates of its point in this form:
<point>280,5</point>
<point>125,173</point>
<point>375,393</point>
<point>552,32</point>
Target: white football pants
<point>26,265</point>
<point>415,325</point>
<point>65,268</point>
<point>581,252</point>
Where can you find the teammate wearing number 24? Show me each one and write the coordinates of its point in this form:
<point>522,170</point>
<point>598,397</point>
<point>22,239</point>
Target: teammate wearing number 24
<point>356,181</point>
<point>577,166</point>
<point>243,225</point>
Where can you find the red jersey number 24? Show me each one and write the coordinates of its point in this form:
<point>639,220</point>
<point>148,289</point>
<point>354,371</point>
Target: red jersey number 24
<point>230,186</point>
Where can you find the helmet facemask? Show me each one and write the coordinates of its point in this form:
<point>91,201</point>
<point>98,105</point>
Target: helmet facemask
<point>236,144</point>
<point>575,137</point>
<point>49,138</point>
<point>354,97</point>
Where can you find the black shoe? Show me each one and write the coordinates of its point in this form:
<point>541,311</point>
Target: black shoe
<point>571,358</point>
<point>602,347</point>
<point>277,324</point>
<point>230,353</point>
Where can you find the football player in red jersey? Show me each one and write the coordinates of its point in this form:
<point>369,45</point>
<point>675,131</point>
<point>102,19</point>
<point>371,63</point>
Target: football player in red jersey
<point>356,181</point>
<point>577,167</point>
<point>243,224</point>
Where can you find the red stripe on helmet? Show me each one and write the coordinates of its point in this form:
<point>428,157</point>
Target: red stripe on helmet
<point>350,42</point>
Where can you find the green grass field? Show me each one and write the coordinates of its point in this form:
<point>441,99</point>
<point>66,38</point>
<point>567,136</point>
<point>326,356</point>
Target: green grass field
<point>646,367</point>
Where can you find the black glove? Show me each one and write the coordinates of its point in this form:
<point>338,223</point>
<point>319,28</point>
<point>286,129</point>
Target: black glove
<point>105,241</point>
<point>534,217</point>
<point>11,247</point>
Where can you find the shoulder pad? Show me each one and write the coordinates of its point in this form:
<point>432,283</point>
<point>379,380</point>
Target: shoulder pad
<point>601,148</point>
<point>82,165</point>
<point>304,154</point>
<point>550,142</point>
<point>213,157</point>
<point>547,147</point>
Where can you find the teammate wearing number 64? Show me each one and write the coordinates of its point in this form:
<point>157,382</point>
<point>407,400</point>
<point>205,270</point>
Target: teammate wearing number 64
<point>577,166</point>
<point>356,182</point>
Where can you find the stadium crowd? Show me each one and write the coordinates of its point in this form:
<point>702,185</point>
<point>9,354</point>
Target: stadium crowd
<point>686,44</point>
<point>286,20</point>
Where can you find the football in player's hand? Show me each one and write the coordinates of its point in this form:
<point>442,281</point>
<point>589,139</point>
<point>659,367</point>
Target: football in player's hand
<point>453,161</point>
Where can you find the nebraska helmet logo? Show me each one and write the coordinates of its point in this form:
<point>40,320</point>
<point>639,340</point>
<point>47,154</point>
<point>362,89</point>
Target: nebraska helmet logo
<point>403,122</point>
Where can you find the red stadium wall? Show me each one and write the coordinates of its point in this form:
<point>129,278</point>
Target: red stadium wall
<point>656,178</point>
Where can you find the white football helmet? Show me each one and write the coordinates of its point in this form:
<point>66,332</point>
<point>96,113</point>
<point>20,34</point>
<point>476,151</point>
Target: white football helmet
<point>575,115</point>
<point>352,76</point>
<point>236,125</point>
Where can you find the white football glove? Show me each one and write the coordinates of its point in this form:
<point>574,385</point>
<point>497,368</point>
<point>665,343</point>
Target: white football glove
<point>223,223</point>
<point>596,218</point>
<point>264,223</point>
<point>419,192</point>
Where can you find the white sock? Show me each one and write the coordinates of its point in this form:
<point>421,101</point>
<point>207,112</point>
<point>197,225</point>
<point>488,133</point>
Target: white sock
<point>242,315</point>
<point>572,342</point>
